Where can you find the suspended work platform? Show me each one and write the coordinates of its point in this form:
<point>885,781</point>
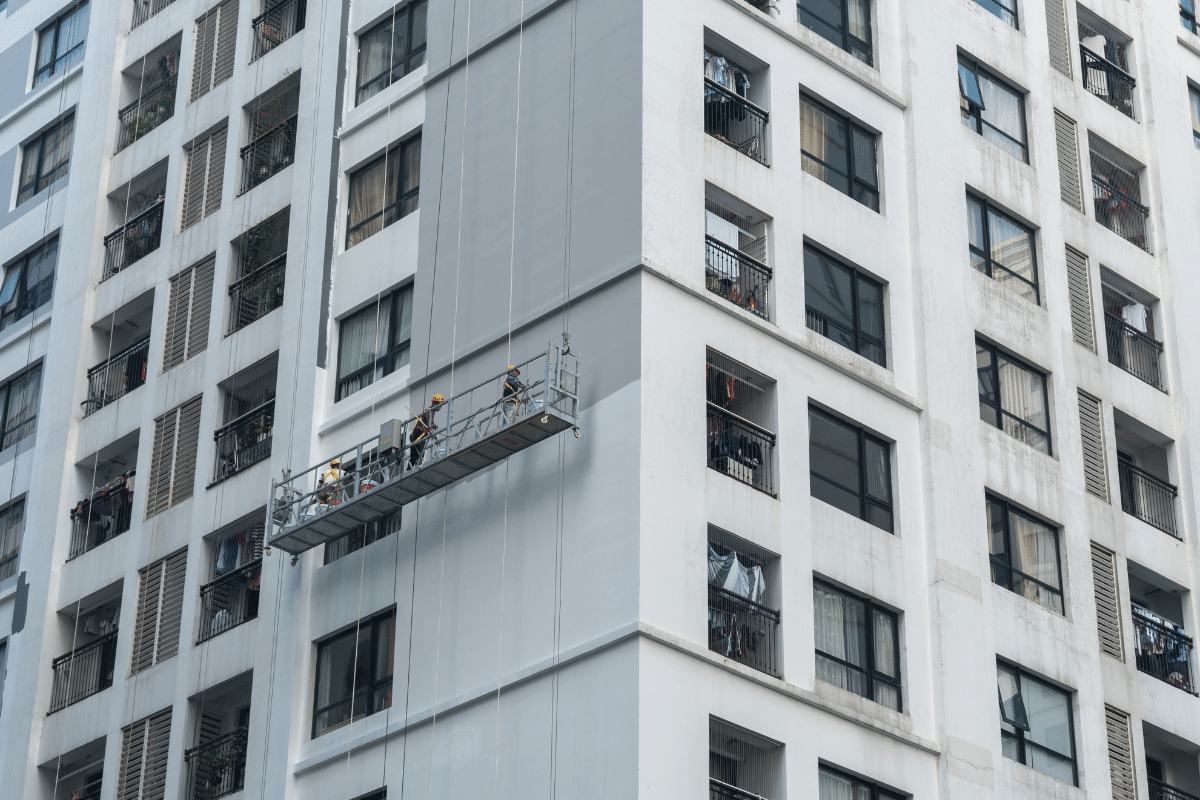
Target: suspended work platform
<point>475,429</point>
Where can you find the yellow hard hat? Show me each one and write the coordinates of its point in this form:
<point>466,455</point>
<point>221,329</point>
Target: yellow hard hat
<point>437,398</point>
<point>337,462</point>
<point>512,368</point>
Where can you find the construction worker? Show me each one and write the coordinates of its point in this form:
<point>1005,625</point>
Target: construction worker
<point>329,484</point>
<point>422,428</point>
<point>511,393</point>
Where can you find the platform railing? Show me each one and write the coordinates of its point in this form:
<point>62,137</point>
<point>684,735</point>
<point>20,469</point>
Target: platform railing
<point>1162,651</point>
<point>153,108</point>
<point>244,442</point>
<point>1165,791</point>
<point>719,790</point>
<point>134,240</point>
<point>229,600</point>
<point>116,377</point>
<point>743,630</point>
<point>735,121</point>
<point>83,672</point>
<point>217,768</point>
<point>269,154</point>
<point>737,277</point>
<point>549,382</point>
<point>1107,81</point>
<point>275,26</point>
<point>1133,351</point>
<point>1148,497</point>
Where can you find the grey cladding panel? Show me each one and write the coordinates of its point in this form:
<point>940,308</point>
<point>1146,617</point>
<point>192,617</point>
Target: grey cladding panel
<point>14,64</point>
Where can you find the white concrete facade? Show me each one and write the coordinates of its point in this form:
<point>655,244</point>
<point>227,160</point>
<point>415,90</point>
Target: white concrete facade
<point>551,612</point>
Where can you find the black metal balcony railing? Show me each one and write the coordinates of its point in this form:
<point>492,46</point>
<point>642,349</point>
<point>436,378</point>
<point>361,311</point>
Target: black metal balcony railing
<point>244,442</point>
<point>735,276</point>
<point>268,154</point>
<point>718,790</point>
<point>1164,791</point>
<point>145,114</point>
<point>145,9</point>
<point>745,631</point>
<point>257,294</point>
<point>229,600</point>
<point>133,241</point>
<point>83,672</point>
<point>1150,499</point>
<point>217,768</point>
<point>276,25</point>
<point>116,377</point>
<point>740,449</point>
<point>1119,212</point>
<point>103,516</point>
<point>1163,651</point>
<point>1107,81</point>
<point>735,121</point>
<point>1133,351</point>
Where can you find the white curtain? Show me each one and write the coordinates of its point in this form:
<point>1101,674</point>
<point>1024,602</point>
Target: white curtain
<point>359,345</point>
<point>366,199</point>
<point>732,575</point>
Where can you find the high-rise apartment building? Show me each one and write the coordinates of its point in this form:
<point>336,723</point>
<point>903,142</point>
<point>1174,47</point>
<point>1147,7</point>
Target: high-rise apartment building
<point>599,399</point>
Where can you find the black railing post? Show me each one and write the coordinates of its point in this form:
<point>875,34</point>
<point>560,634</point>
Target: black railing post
<point>1120,212</point>
<point>718,790</point>
<point>217,768</point>
<point>743,630</point>
<point>138,237</point>
<point>1165,791</point>
<point>740,449</point>
<point>145,9</point>
<point>1163,652</point>
<point>275,26</point>
<point>257,294</point>
<point>229,600</point>
<point>735,121</point>
<point>1107,81</point>
<point>1133,351</point>
<point>735,276</point>
<point>106,514</point>
<point>83,672</point>
<point>244,442</point>
<point>143,115</point>
<point>1149,498</point>
<point>268,154</point>
<point>116,377</point>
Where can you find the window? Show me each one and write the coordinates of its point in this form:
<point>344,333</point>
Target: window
<point>1012,396</point>
<point>1117,192</point>
<point>839,152</point>
<point>374,206</point>
<point>12,524</point>
<point>60,44</point>
<point>391,50</point>
<point>46,159</point>
<point>740,417</point>
<point>361,537</point>
<point>262,271</point>
<point>159,610</point>
<point>21,397</point>
<point>173,460</point>
<point>3,671</point>
<point>216,38</point>
<point>858,645</point>
<point>1194,103</point>
<point>743,620</point>
<point>1024,554</point>
<point>354,673</point>
<point>1002,248</point>
<point>188,306</point>
<point>205,177</point>
<point>1187,15</point>
<point>1035,723</point>
<point>1004,9</point>
<point>145,746</point>
<point>992,108</point>
<point>374,342</point>
<point>730,114</point>
<point>735,241</point>
<point>846,23</point>
<point>844,305</point>
<point>837,786</point>
<point>28,283</point>
<point>850,469</point>
<point>742,765</point>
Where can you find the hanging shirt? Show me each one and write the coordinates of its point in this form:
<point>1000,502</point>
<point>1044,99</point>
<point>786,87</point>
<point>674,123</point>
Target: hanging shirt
<point>725,232</point>
<point>1134,315</point>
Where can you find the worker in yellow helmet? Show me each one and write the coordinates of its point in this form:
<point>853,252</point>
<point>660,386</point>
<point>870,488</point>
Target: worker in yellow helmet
<point>423,427</point>
<point>330,482</point>
<point>511,393</point>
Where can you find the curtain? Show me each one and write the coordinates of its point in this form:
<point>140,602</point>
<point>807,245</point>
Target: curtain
<point>886,659</point>
<point>359,343</point>
<point>879,479</point>
<point>399,47</point>
<point>57,151</point>
<point>23,396</point>
<point>835,787</point>
<point>29,172</point>
<point>859,21</point>
<point>403,332</point>
<point>10,540</point>
<point>731,574</point>
<point>374,58</point>
<point>72,33</point>
<point>1012,246</point>
<point>1037,556</point>
<point>39,275</point>
<point>814,124</point>
<point>1022,393</point>
<point>1001,107</point>
<point>366,200</point>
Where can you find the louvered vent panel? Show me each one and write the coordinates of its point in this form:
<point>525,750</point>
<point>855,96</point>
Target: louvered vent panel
<point>145,628</point>
<point>1091,429</point>
<point>1079,283</point>
<point>1120,754</point>
<point>1056,31</point>
<point>1108,607</point>
<point>174,349</point>
<point>1068,161</point>
<point>226,42</point>
<point>171,614</point>
<point>202,289</point>
<point>162,456</point>
<point>206,41</point>
<point>133,754</point>
<point>216,171</point>
<point>193,185</point>
<point>183,483</point>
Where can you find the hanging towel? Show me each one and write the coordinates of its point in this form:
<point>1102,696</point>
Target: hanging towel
<point>732,575</point>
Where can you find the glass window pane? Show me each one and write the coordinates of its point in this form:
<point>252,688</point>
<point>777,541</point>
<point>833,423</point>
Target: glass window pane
<point>374,59</point>
<point>870,308</point>
<point>975,229</point>
<point>420,13</point>
<point>829,291</point>
<point>398,48</point>
<point>1194,99</point>
<point>358,343</point>
<point>885,645</point>
<point>824,17</point>
<point>836,496</point>
<point>1035,549</point>
<point>366,202</point>
<point>864,157</point>
<point>335,675</point>
<point>833,451</point>
<point>823,136</point>
<point>1049,715</point>
<point>830,620</point>
<point>879,517</point>
<point>1022,393</point>
<point>1010,747</point>
<point>412,166</point>
<point>1012,707</point>
<point>873,352</point>
<point>24,393</point>
<point>859,22</point>
<point>878,467</point>
<point>45,57</point>
<point>987,376</point>
<point>1052,765</point>
<point>57,152</point>
<point>385,649</point>
<point>887,694</point>
<point>968,84</point>
<point>1011,245</point>
<point>997,517</point>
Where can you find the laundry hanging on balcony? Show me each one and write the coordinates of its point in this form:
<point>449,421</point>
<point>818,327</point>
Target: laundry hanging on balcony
<point>731,574</point>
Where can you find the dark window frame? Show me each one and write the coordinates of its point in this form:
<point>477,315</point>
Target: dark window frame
<point>849,170</point>
<point>42,181</point>
<point>6,389</point>
<point>1004,561</point>
<point>1020,729</point>
<point>871,609</point>
<point>991,5</point>
<point>859,336</point>
<point>1194,107</point>
<point>399,67</point>
<point>974,109</point>
<point>988,208</point>
<point>373,683</point>
<point>391,205</point>
<point>43,72</point>
<point>997,404</point>
<point>1187,15</point>
<point>864,500</point>
<point>877,792</point>
<point>391,359</point>
<point>850,43</point>
<point>21,306</point>
<point>15,507</point>
<point>363,536</point>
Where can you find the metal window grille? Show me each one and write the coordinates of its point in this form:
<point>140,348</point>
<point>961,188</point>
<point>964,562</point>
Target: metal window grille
<point>1079,285</point>
<point>278,23</point>
<point>28,283</point>
<point>83,672</point>
<point>1070,182</point>
<point>1105,67</point>
<point>1117,193</point>
<point>402,37</point>
<point>216,38</point>
<point>729,115</point>
<point>173,460</point>
<point>262,256</point>
<point>736,253</point>
<point>188,307</point>
<point>839,152</point>
<point>1108,602</point>
<point>1120,754</point>
<point>153,108</point>
<point>1148,497</point>
<point>846,23</point>
<point>1012,396</point>
<point>217,767</point>
<point>133,241</point>
<point>1056,31</point>
<point>116,377</point>
<point>742,765</point>
<point>840,449</point>
<point>1095,459</point>
<point>1024,554</point>
<point>1129,331</point>
<point>142,769</point>
<point>145,9</point>
<point>1162,648</point>
<point>104,515</point>
<point>159,610</point>
<point>739,402</point>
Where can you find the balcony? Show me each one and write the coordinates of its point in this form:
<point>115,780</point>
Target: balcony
<point>740,449</point>
<point>83,672</point>
<point>735,121</point>
<point>736,277</point>
<point>1107,81</point>
<point>257,294</point>
<point>116,377</point>
<point>743,630</point>
<point>143,115</point>
<point>103,516</point>
<point>134,240</point>
<point>145,9</point>
<point>718,790</point>
<point>1118,210</point>
<point>275,26</point>
<point>1163,649</point>
<point>1133,351</point>
<point>229,601</point>
<point>268,154</point>
<point>244,442</point>
<point>217,768</point>
<point>1147,497</point>
<point>1164,791</point>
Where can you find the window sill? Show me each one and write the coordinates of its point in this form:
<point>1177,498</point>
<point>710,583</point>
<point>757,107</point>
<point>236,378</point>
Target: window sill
<point>372,108</point>
<point>361,402</point>
<point>8,587</point>
<point>1189,41</point>
<point>37,319</point>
